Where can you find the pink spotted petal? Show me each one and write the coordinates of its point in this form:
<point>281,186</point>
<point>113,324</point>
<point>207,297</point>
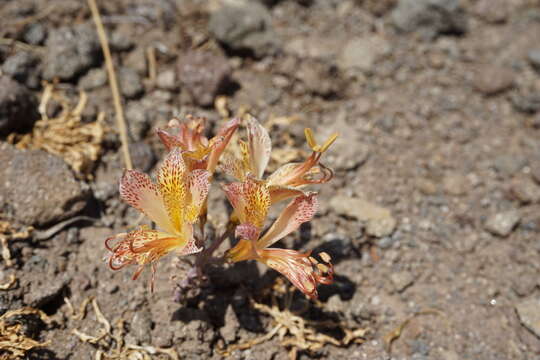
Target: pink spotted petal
<point>199,185</point>
<point>222,140</point>
<point>145,246</point>
<point>137,190</point>
<point>299,211</point>
<point>260,147</point>
<point>173,187</point>
<point>250,200</point>
<point>170,136</point>
<point>234,194</point>
<point>190,246</point>
<point>279,193</point>
<point>247,231</point>
<point>305,272</point>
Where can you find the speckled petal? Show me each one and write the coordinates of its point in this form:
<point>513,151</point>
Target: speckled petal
<point>137,190</point>
<point>220,142</point>
<point>173,187</point>
<point>299,211</point>
<point>301,269</point>
<point>260,146</point>
<point>199,185</point>
<point>250,200</point>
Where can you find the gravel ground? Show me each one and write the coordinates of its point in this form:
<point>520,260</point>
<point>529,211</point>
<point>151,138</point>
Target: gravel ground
<point>432,218</point>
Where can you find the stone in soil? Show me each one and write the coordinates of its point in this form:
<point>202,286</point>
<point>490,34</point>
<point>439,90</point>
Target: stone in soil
<point>93,79</point>
<point>18,106</point>
<point>45,290</point>
<point>35,34</point>
<point>502,224</point>
<point>379,221</point>
<point>143,156</point>
<point>430,17</point>
<point>230,328</point>
<point>525,190</point>
<point>120,42</point>
<point>493,79</point>
<point>204,75</point>
<point>138,118</point>
<point>130,82</point>
<point>509,164</point>
<point>529,314</point>
<point>70,51</point>
<point>167,80</point>
<point>245,26</point>
<point>456,184</point>
<point>528,103</point>
<point>534,58</point>
<point>363,53</point>
<point>22,66</point>
<point>141,326</point>
<point>402,280</point>
<point>319,78</point>
<point>38,188</point>
<point>492,11</point>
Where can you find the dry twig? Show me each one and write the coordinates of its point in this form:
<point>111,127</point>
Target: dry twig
<point>297,333</point>
<point>120,120</point>
<point>110,335</point>
<point>12,338</point>
<point>396,333</point>
<point>11,282</point>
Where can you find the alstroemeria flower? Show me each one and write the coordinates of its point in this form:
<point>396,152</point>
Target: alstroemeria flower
<point>251,200</point>
<point>199,152</point>
<point>173,203</point>
<point>287,181</point>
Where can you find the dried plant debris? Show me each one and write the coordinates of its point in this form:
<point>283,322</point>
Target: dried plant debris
<point>7,232</point>
<point>396,332</point>
<point>109,341</point>
<point>14,344</point>
<point>65,135</point>
<point>295,332</point>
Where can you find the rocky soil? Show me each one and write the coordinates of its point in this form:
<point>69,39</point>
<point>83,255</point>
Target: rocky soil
<point>432,219</point>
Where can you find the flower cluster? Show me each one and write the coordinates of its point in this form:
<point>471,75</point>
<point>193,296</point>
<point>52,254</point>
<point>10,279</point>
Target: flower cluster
<point>177,202</point>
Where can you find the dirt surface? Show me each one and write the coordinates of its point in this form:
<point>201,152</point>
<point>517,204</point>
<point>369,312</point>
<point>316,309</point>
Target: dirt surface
<point>432,218</point>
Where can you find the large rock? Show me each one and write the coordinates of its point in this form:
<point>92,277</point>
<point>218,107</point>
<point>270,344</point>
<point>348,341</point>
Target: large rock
<point>37,188</point>
<point>18,106</point>
<point>245,26</point>
<point>203,74</point>
<point>70,52</point>
<point>430,17</point>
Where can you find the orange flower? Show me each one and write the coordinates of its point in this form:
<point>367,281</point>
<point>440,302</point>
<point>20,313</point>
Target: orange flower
<point>174,204</point>
<point>199,152</point>
<point>251,200</point>
<point>287,181</point>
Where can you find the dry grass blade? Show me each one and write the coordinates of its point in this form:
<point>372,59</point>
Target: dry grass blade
<point>10,283</point>
<point>121,122</point>
<point>12,339</point>
<point>295,332</point>
<point>100,317</point>
<point>396,333</point>
<point>113,346</point>
<point>8,233</point>
<point>249,344</point>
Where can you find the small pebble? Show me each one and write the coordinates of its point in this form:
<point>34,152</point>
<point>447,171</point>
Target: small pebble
<point>502,224</point>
